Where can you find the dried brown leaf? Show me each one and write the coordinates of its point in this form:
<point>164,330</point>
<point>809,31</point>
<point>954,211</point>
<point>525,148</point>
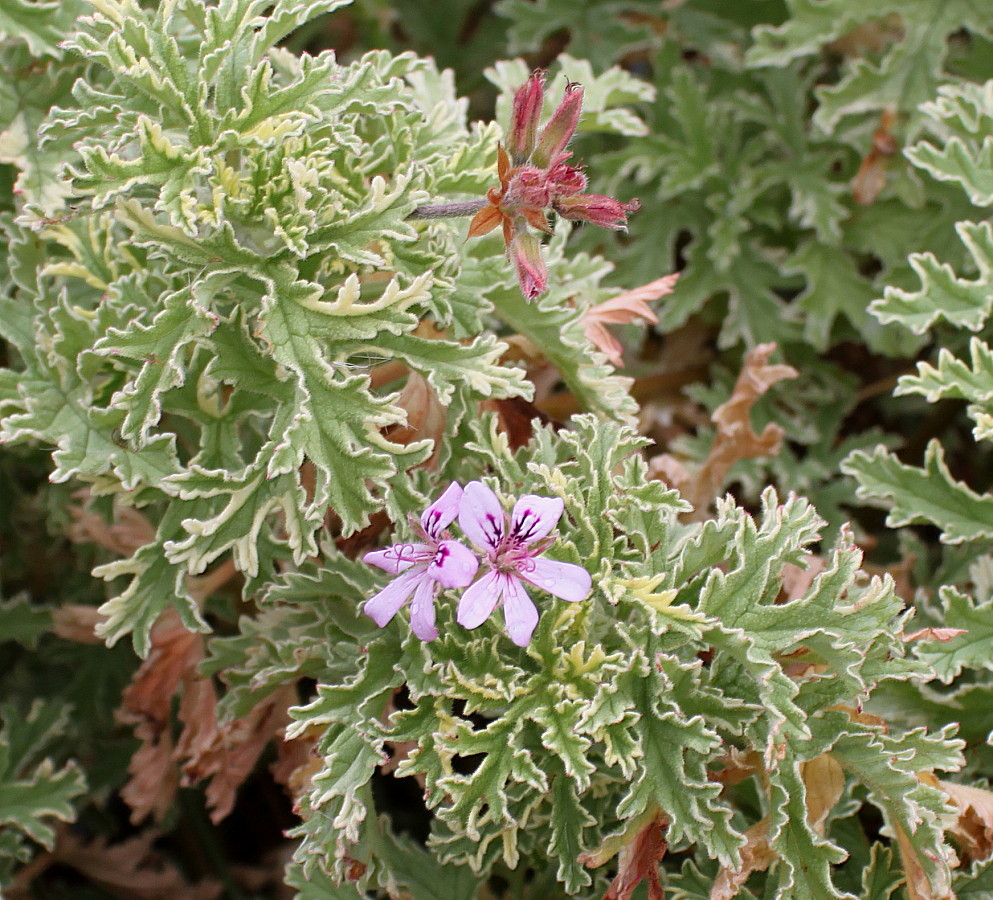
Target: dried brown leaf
<point>515,418</point>
<point>154,777</point>
<point>639,850</point>
<point>74,622</point>
<point>131,869</point>
<point>918,885</point>
<point>756,856</point>
<point>147,704</point>
<point>824,780</point>
<point>228,754</point>
<point>174,654</point>
<point>295,761</point>
<point>944,635</point>
<point>426,417</point>
<point>735,438</point>
<point>870,37</point>
<point>870,179</point>
<point>974,828</point>
<point>738,765</point>
<point>129,531</point>
<point>225,753</point>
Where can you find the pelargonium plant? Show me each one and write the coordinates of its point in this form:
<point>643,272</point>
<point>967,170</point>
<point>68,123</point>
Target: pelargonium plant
<point>252,362</point>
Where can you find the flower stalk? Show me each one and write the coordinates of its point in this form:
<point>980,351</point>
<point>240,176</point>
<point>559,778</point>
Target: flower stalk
<point>448,210</point>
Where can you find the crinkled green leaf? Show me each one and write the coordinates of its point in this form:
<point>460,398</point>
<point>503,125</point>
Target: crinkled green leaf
<point>23,621</point>
<point>160,347</point>
<point>888,766</point>
<point>972,650</point>
<point>976,884</point>
<point>33,791</point>
<point>953,377</point>
<point>927,494</point>
<point>906,75</point>
<point>805,859</point>
<point>943,294</point>
<point>966,155</point>
<point>599,30</point>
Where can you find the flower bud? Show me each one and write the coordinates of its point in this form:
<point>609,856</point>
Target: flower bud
<point>525,254</point>
<point>603,211</point>
<point>560,128</point>
<point>524,119</point>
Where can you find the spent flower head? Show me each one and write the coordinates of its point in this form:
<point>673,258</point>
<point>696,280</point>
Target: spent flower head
<point>534,177</point>
<point>512,547</point>
<point>422,567</point>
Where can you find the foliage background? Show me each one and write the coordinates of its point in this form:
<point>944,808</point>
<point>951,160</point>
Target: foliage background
<point>819,175</point>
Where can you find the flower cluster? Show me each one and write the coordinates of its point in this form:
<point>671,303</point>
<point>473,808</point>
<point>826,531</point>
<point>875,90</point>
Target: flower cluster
<point>534,177</point>
<point>509,550</point>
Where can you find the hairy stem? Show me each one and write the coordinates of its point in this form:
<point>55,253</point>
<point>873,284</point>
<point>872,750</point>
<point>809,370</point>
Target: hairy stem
<point>448,210</point>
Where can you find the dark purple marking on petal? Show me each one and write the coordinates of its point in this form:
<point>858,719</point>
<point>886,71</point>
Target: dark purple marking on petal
<point>534,517</point>
<point>481,517</point>
<point>454,565</point>
<point>440,514</point>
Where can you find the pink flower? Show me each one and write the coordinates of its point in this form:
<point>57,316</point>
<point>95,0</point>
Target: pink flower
<point>512,547</point>
<point>421,567</point>
<point>535,177</point>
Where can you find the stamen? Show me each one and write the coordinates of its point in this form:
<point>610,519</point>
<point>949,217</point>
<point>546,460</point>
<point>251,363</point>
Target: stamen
<point>404,552</point>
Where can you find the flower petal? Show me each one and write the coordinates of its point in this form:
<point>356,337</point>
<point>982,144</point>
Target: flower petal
<point>440,514</point>
<point>422,611</point>
<point>454,565</point>
<point>481,517</point>
<point>534,517</point>
<point>384,606</point>
<point>399,557</point>
<point>564,580</point>
<point>519,611</point>
<point>480,599</point>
